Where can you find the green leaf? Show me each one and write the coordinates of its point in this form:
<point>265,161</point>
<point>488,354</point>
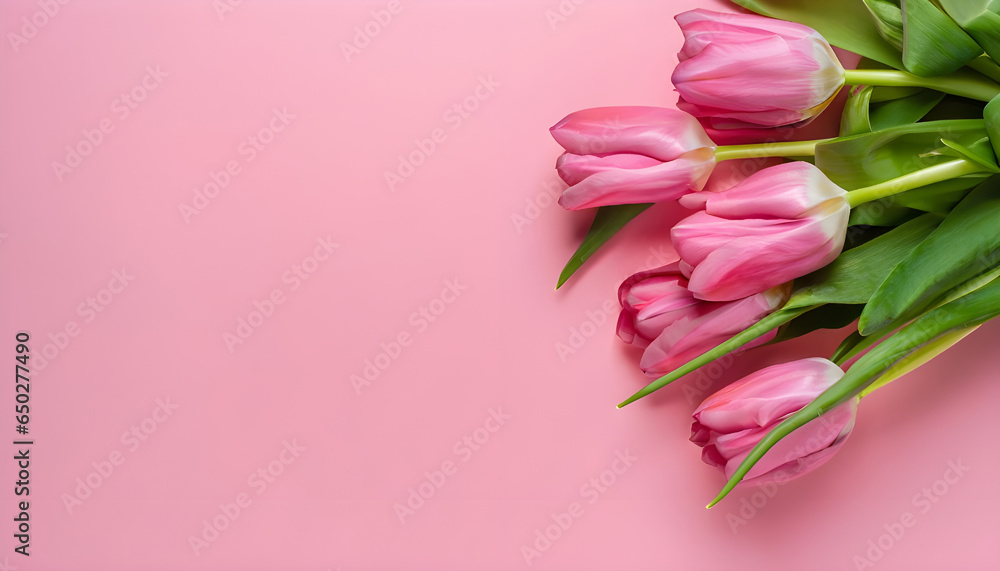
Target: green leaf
<point>857,343</point>
<point>833,316</point>
<point>939,197</point>
<point>968,311</point>
<point>844,23</point>
<point>953,107</point>
<point>608,221</point>
<point>964,246</point>
<point>979,152</point>
<point>854,120</point>
<point>886,92</point>
<point>919,357</point>
<point>850,279</point>
<point>904,110</point>
<point>888,19</point>
<point>933,44</point>
<point>857,273</point>
<point>848,348</point>
<point>880,213</point>
<point>980,19</point>
<point>985,65</point>
<point>991,114</point>
<point>867,159</point>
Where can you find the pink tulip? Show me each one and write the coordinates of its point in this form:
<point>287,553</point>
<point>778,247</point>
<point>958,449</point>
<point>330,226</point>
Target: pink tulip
<point>631,155</point>
<point>749,70</point>
<point>778,224</point>
<point>732,421</point>
<point>660,314</point>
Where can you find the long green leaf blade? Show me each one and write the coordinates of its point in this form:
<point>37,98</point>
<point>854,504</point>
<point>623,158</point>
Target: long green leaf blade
<point>963,246</point>
<point>608,221</point>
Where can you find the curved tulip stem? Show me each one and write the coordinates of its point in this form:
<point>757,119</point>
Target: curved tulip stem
<point>970,84</point>
<point>922,177</point>
<point>762,150</point>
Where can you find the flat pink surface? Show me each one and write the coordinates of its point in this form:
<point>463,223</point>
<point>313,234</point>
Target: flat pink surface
<point>253,351</point>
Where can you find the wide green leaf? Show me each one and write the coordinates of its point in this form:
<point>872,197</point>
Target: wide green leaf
<point>857,273</point>
<point>933,44</point>
<point>844,23</point>
<point>867,159</point>
<point>991,114</point>
<point>980,19</point>
<point>608,221</point>
<point>832,316</point>
<point>919,357</point>
<point>904,110</point>
<point>880,213</point>
<point>964,246</point>
<point>940,197</point>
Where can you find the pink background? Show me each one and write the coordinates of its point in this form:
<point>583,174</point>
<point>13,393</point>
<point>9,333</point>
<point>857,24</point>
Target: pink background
<point>492,348</point>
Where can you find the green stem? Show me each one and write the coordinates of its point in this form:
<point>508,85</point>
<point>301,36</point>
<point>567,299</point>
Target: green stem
<point>760,150</point>
<point>971,85</point>
<point>923,177</point>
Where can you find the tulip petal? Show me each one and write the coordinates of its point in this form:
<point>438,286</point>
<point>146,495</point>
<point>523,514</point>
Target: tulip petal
<point>666,181</point>
<point>700,234</point>
<point>741,81</point>
<point>731,422</point>
<point>574,168</point>
<point>753,70</point>
<point>687,338</point>
<point>738,405</point>
<point>661,133</point>
<point>763,259</point>
<point>788,190</point>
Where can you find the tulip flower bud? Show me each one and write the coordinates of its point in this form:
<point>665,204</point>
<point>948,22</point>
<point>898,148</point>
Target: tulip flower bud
<point>754,70</point>
<point>660,314</point>
<point>631,155</point>
<point>778,224</point>
<point>732,421</point>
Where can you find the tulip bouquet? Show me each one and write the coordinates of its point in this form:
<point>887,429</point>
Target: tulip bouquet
<point>892,224</point>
